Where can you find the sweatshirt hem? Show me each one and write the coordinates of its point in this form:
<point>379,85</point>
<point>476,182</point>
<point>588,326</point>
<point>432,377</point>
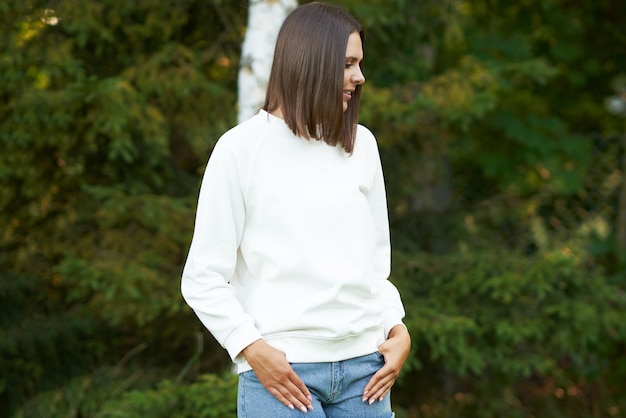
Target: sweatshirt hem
<point>312,349</point>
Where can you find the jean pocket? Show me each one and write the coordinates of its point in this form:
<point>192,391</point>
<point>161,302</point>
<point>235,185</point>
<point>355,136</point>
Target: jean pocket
<point>249,375</point>
<point>380,355</point>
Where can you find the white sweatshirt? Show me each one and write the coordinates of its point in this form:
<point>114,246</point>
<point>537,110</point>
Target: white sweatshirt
<point>291,244</point>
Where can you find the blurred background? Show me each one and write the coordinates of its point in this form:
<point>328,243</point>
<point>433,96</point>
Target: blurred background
<point>502,132</point>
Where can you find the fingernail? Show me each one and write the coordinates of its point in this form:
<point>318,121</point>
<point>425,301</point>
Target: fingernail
<point>310,398</point>
<point>381,399</point>
<point>291,407</point>
<point>372,401</point>
<point>364,399</point>
<point>303,409</point>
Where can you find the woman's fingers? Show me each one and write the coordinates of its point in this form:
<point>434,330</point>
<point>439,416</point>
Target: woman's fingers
<point>395,351</point>
<point>292,396</point>
<point>380,384</point>
<point>276,375</point>
<point>287,384</point>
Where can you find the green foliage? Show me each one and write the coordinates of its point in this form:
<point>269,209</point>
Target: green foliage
<point>109,113</point>
<point>499,308</point>
<point>498,321</point>
<point>35,333</point>
<point>490,86</point>
<point>506,259</point>
<point>114,393</point>
<point>81,396</point>
<point>211,397</point>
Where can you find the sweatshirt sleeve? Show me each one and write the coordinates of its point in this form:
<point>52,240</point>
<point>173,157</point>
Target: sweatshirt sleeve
<point>212,256</point>
<point>377,200</point>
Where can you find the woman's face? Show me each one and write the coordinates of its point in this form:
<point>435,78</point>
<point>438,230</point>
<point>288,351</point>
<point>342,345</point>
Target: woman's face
<point>352,75</point>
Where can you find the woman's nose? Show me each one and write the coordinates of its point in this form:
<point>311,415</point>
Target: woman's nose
<point>358,77</point>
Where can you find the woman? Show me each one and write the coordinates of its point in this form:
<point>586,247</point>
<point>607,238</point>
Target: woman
<point>290,257</point>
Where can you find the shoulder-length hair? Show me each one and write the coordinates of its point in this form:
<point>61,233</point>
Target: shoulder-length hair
<point>306,80</point>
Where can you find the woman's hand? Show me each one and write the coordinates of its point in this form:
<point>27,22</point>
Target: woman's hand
<point>395,352</point>
<point>276,375</point>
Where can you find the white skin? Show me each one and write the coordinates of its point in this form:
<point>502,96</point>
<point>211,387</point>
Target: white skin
<point>271,366</point>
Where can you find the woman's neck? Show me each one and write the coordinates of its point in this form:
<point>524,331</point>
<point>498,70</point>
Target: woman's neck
<point>278,113</point>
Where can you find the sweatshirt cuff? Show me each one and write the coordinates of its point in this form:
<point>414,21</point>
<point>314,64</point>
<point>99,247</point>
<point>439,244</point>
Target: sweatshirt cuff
<point>392,317</point>
<point>241,337</point>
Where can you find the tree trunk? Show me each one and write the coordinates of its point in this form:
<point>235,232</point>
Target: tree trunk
<point>264,20</point>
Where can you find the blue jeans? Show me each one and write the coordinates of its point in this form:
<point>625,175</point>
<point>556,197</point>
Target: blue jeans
<point>336,389</point>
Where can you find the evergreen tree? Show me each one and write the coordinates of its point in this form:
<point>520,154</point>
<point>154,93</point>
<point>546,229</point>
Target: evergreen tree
<point>492,131</point>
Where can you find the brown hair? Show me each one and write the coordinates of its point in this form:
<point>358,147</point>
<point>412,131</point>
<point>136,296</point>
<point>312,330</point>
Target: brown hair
<point>306,80</point>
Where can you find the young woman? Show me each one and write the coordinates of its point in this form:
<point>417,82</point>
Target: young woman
<point>290,256</point>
